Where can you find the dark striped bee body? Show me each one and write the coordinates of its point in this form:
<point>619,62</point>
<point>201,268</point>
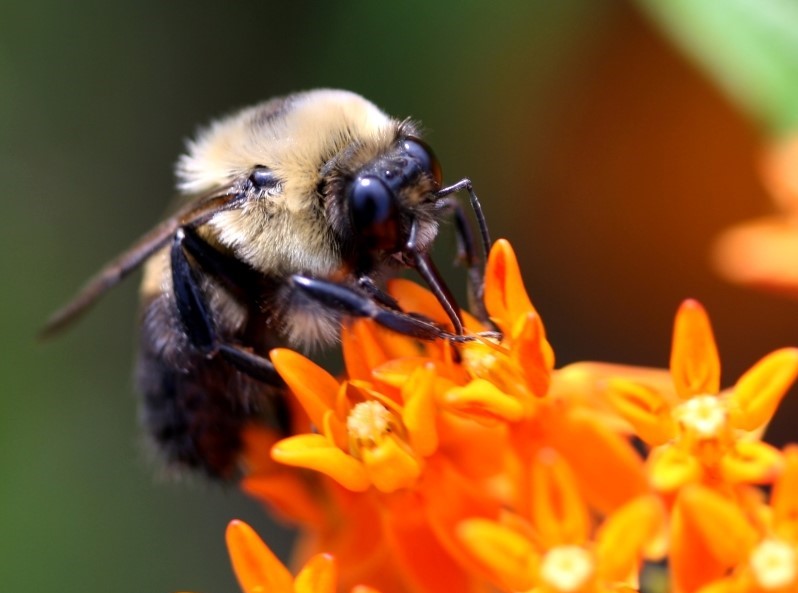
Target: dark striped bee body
<point>292,212</point>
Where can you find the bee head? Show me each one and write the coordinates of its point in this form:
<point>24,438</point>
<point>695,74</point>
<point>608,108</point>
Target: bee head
<point>391,193</point>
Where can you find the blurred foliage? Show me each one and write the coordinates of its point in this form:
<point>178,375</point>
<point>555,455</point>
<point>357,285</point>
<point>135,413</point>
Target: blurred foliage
<point>570,117</point>
<point>749,47</point>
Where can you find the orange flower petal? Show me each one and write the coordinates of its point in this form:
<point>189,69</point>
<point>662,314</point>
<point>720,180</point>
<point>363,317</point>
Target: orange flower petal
<point>721,586</point>
<point>785,494</point>
<point>506,298</point>
<point>507,555</point>
<point>719,523</point>
<point>585,385</point>
<point>450,497</point>
<point>494,363</point>
<point>761,253</point>
<point>695,364</point>
<point>256,567</point>
<point>315,388</point>
<point>671,468</point>
<point>609,470</point>
<point>314,451</point>
<point>412,297</point>
<point>319,575</point>
<point>482,399</point>
<point>390,465</point>
<point>645,409</point>
<point>367,345</point>
<point>420,413</point>
<point>396,372</point>
<point>287,494</point>
<point>557,511</point>
<point>417,552</point>
<point>533,353</point>
<point>751,462</point>
<point>692,563</point>
<point>624,535</point>
<point>759,391</point>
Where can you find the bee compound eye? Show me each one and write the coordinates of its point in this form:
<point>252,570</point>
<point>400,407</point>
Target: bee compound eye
<point>373,210</point>
<point>420,151</point>
<point>263,177</point>
<point>370,202</point>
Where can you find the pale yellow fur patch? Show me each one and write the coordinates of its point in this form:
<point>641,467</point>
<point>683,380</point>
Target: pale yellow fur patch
<point>275,233</point>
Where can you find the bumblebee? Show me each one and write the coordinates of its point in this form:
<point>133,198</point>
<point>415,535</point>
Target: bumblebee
<point>292,211</point>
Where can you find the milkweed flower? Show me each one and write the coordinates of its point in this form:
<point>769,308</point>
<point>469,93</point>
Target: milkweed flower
<point>706,435</point>
<point>258,570</point>
<point>560,549</point>
<point>552,412</point>
<point>431,467</point>
<point>421,436</point>
<point>738,546</point>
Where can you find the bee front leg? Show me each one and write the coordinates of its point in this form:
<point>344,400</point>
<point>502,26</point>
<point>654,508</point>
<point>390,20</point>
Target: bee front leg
<point>350,301</point>
<point>195,316</point>
<point>467,256</point>
<point>370,287</point>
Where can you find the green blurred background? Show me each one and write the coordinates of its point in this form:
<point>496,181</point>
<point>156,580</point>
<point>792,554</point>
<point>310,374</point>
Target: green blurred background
<point>606,158</point>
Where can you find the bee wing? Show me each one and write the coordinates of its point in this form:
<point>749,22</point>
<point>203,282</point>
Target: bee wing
<point>198,212</point>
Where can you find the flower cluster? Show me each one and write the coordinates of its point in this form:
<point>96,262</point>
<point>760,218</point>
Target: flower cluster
<point>432,467</point>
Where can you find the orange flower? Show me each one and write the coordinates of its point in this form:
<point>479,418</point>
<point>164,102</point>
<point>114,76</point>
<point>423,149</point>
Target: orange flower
<point>764,252</point>
<point>560,551</point>
<point>365,438</point>
<point>609,471</point>
<point>388,448</point>
<point>707,435</point>
<point>712,535</point>
<point>505,383</point>
<point>434,467</point>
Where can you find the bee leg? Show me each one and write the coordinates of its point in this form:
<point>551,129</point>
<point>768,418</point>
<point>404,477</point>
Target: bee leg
<point>476,277</point>
<point>195,316</point>
<point>423,264</point>
<point>476,206</point>
<point>237,277</point>
<point>467,255</point>
<point>352,302</point>
<point>370,287</point>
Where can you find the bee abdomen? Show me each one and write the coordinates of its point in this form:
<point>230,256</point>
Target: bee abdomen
<point>193,407</point>
<point>192,416</point>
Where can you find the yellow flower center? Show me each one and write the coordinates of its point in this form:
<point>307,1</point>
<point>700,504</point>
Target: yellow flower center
<point>368,421</point>
<point>566,568</point>
<point>703,414</point>
<point>774,564</point>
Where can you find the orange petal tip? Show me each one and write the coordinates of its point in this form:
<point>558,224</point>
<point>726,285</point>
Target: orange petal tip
<point>256,567</point>
<point>315,388</point>
<point>695,364</point>
<point>319,575</point>
<point>759,391</point>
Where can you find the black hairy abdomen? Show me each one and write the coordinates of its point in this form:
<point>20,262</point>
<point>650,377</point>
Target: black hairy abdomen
<point>193,407</point>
